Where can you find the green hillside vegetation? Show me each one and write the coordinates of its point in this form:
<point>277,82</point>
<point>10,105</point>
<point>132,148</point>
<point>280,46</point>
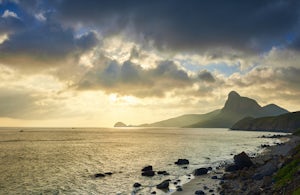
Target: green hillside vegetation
<point>287,176</point>
<point>289,123</point>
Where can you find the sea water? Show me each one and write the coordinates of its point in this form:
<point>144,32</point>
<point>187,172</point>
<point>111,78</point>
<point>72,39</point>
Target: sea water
<point>64,160</point>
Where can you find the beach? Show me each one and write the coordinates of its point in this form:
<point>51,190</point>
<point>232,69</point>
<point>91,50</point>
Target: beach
<point>245,181</point>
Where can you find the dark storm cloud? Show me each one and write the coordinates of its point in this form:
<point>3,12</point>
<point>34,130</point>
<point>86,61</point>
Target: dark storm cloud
<point>34,42</point>
<point>206,76</point>
<point>178,24</point>
<point>131,79</point>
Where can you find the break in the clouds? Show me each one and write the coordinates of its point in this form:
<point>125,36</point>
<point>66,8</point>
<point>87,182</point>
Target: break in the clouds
<point>145,54</point>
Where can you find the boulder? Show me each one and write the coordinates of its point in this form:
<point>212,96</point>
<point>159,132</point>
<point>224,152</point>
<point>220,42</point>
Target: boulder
<point>214,177</point>
<point>148,173</point>
<point>200,171</point>
<point>178,188</point>
<point>162,173</point>
<point>108,173</point>
<point>199,192</point>
<point>148,168</point>
<point>99,175</point>
<point>163,185</point>
<point>182,162</point>
<point>231,168</point>
<point>136,185</point>
<point>266,170</point>
<point>242,160</point>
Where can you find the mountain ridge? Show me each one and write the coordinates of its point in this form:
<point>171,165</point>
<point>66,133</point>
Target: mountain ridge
<point>236,107</point>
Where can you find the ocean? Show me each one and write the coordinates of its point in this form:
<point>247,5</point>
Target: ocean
<point>64,160</point>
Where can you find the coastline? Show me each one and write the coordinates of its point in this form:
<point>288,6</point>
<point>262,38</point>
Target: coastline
<point>242,182</point>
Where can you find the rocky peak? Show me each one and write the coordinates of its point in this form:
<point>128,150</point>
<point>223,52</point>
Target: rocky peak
<point>237,104</point>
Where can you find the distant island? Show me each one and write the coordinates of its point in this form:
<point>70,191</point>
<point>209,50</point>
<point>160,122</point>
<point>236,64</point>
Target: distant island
<point>236,108</point>
<point>120,124</point>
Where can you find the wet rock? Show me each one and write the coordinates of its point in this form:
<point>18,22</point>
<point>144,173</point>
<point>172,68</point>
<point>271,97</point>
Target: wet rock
<point>97,175</point>
<point>175,183</point>
<point>242,160</point>
<point>108,173</point>
<point>205,187</point>
<point>199,192</point>
<point>148,173</point>
<point>148,168</point>
<point>264,145</point>
<point>162,173</point>
<point>185,167</point>
<point>136,185</point>
<point>182,162</point>
<point>179,188</point>
<point>200,171</point>
<point>153,192</point>
<point>163,185</point>
<point>214,177</point>
<point>211,190</point>
<point>231,168</point>
<point>209,168</point>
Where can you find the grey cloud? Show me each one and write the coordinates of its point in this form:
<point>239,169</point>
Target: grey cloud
<point>277,79</point>
<point>206,76</point>
<point>246,25</point>
<point>131,79</point>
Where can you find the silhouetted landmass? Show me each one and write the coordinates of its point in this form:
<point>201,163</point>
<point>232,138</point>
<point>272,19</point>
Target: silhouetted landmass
<point>235,109</point>
<point>184,120</point>
<point>120,124</point>
<point>288,123</point>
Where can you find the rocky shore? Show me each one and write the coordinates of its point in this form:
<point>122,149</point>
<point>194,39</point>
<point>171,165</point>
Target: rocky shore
<point>275,171</point>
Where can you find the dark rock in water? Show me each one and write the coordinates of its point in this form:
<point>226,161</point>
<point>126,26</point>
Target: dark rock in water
<point>99,175</point>
<point>185,167</point>
<point>148,168</point>
<point>205,187</point>
<point>264,145</point>
<point>179,189</point>
<point>242,160</point>
<point>209,168</point>
<point>175,183</point>
<point>153,192</point>
<point>182,162</point>
<point>136,185</point>
<point>148,173</point>
<point>108,173</point>
<point>163,185</point>
<point>231,168</point>
<point>214,177</point>
<point>178,180</point>
<point>211,190</point>
<point>200,171</point>
<point>199,192</point>
<point>162,173</point>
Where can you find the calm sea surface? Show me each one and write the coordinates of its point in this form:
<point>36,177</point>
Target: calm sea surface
<point>63,161</point>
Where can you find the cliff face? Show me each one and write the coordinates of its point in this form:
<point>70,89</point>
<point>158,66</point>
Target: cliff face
<point>284,123</point>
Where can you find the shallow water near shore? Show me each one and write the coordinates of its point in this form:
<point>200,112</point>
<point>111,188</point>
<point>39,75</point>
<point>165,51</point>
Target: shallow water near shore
<point>64,160</point>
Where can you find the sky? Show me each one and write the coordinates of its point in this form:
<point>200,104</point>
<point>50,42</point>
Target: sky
<point>93,63</point>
